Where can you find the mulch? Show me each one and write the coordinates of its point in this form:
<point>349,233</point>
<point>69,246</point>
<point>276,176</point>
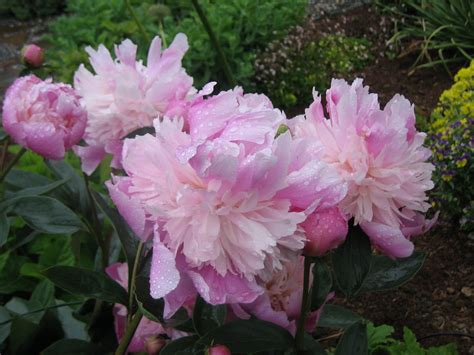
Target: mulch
<point>440,299</point>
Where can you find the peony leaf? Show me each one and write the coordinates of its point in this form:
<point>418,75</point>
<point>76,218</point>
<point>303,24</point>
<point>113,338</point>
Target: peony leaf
<point>207,317</point>
<point>354,341</point>
<point>322,284</point>
<point>334,316</point>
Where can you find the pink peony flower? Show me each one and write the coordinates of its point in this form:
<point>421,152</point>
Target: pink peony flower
<point>224,200</point>
<point>325,230</point>
<point>281,301</point>
<point>381,156</point>
<point>43,116</point>
<point>32,55</point>
<point>145,337</point>
<point>124,95</point>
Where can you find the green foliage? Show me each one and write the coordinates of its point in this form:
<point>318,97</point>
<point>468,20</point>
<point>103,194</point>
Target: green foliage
<point>27,9</point>
<point>242,28</point>
<point>451,132</point>
<point>381,342</point>
<point>288,70</point>
<point>443,30</point>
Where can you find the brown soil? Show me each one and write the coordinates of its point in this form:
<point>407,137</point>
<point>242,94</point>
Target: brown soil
<point>440,299</point>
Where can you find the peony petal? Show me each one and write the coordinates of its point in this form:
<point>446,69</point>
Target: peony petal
<point>389,240</point>
<point>164,276</point>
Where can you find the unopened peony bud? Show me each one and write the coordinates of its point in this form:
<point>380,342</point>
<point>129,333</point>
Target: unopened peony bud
<point>32,55</point>
<point>43,116</point>
<point>219,350</point>
<point>325,230</point>
<point>154,344</point>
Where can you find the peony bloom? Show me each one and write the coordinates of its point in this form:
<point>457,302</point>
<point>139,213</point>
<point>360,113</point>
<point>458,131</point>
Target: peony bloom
<point>146,335</point>
<point>32,55</point>
<point>218,350</point>
<point>281,301</point>
<point>224,201</point>
<point>43,116</point>
<point>124,95</point>
<point>325,230</point>
<point>380,155</point>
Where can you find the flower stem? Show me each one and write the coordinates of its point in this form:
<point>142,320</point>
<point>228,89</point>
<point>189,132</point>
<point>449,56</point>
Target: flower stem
<point>304,305</point>
<point>12,163</point>
<point>137,21</point>
<point>215,43</point>
<point>131,289</point>
<point>127,337</point>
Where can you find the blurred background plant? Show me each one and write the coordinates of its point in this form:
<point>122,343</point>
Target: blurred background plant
<point>439,31</point>
<point>451,137</point>
<point>28,9</point>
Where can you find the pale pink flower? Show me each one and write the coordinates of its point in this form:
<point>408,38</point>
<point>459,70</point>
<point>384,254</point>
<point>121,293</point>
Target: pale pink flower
<point>281,301</point>
<point>218,350</point>
<point>124,94</point>
<point>225,199</point>
<point>43,116</point>
<point>381,156</point>
<point>32,55</point>
<point>147,330</point>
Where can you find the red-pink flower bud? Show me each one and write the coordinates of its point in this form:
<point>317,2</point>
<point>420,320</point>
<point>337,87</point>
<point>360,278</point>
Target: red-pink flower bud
<point>219,350</point>
<point>32,55</point>
<point>325,230</point>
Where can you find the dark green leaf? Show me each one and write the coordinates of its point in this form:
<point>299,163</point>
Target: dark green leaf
<point>181,344</point>
<point>333,316</point>
<point>87,283</point>
<point>43,294</point>
<point>38,190</point>
<point>354,341</point>
<point>31,310</point>
<point>386,273</point>
<point>22,335</point>
<point>73,347</point>
<point>207,317</point>
<point>312,346</point>
<point>10,278</point>
<point>21,179</point>
<point>3,134</point>
<point>47,215</point>
<point>5,325</point>
<point>246,336</point>
<point>4,228</point>
<point>74,192</point>
<point>127,239</point>
<point>322,284</point>
<point>351,261</point>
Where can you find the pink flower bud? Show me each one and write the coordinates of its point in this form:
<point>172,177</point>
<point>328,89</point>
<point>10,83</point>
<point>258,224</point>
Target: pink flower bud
<point>154,344</point>
<point>219,350</point>
<point>325,230</point>
<point>45,117</point>
<point>32,55</point>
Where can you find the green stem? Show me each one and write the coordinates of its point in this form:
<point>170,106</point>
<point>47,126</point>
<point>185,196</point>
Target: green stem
<point>12,163</point>
<point>162,35</point>
<point>43,309</point>
<point>127,337</point>
<point>304,305</point>
<point>137,21</point>
<point>212,36</point>
<point>131,289</point>
<point>4,153</point>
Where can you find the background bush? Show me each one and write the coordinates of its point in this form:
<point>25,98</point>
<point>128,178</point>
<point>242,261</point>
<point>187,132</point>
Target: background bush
<point>27,9</point>
<point>451,138</point>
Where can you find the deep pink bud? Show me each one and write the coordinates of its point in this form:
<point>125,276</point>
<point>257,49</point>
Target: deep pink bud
<point>45,117</point>
<point>154,344</point>
<point>219,350</point>
<point>325,230</point>
<point>32,55</point>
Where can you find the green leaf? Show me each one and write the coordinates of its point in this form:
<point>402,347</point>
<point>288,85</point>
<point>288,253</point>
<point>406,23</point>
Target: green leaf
<point>22,179</point>
<point>179,345</point>
<point>74,192</point>
<point>207,317</point>
<point>379,335</point>
<point>47,215</point>
<point>73,347</point>
<point>129,242</point>
<point>312,346</point>
<point>248,336</point>
<point>87,283</point>
<point>386,273</point>
<point>43,294</point>
<point>11,279</point>
<point>22,335</point>
<point>322,284</point>
<point>57,252</point>
<point>5,325</point>
<point>354,341</point>
<point>4,228</point>
<point>333,316</point>
<point>31,191</point>
<point>351,261</point>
